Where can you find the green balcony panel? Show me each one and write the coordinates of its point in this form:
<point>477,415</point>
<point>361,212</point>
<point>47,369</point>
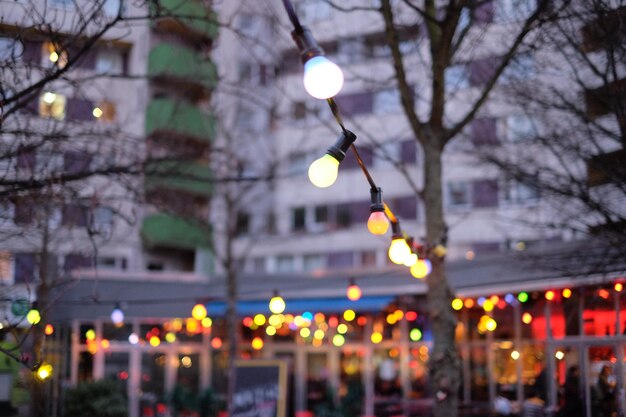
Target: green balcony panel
<point>163,230</point>
<point>167,60</point>
<point>184,176</point>
<point>191,13</point>
<point>174,117</point>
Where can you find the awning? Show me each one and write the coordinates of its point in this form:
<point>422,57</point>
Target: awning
<point>313,305</point>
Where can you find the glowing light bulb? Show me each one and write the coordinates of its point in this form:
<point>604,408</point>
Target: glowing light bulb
<point>198,312</point>
<point>49,97</point>
<point>322,78</point>
<point>410,260</point>
<point>522,297</point>
<point>421,268</point>
<point>33,316</point>
<point>44,371</point>
<point>354,292</point>
<point>277,304</point>
<point>117,316</point>
<point>457,304</point>
<point>399,250</point>
<point>378,224</point>
<point>323,172</point>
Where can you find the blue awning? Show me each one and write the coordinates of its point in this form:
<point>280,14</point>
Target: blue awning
<point>299,306</point>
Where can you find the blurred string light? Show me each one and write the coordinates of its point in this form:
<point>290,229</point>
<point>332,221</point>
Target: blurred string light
<point>323,80</point>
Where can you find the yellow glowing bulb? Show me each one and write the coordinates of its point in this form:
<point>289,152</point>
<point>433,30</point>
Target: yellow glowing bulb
<point>44,371</point>
<point>207,322</point>
<point>170,337</point>
<point>491,324</point>
<point>257,343</point>
<point>305,332</point>
<point>90,334</point>
<point>318,334</point>
<point>377,224</point>
<point>259,319</point>
<point>527,318</point>
<point>457,304</point>
<point>338,340</point>
<point>399,250</point>
<point>377,337</point>
<point>97,112</point>
<point>515,355</point>
<point>488,305</point>
<point>410,260</point>
<point>198,312</point>
<point>33,316</point>
<point>54,56</point>
<point>421,269</point>
<point>271,330</point>
<point>155,341</point>
<point>323,172</point>
<point>354,292</point>
<point>349,315</point>
<point>342,328</point>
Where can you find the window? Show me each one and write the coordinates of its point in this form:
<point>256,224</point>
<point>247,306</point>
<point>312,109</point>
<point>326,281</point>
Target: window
<point>111,7</point>
<point>456,77</point>
<point>484,131</point>
<point>518,192</point>
<point>7,212</point>
<point>519,128</point>
<point>608,30</point>
<point>298,217</point>
<point>54,54</point>
<point>24,270</point>
<point>74,215</point>
<point>76,162</point>
<point>102,219</point>
<point>242,225</point>
<point>297,164</point>
<point>10,49</point>
<point>312,10</point>
<point>408,151</point>
<point>350,50</point>
<point>313,262</point>
<point>368,258</point>
<point>386,156</point>
<point>513,10</point>
<point>356,103</point>
<point>344,216</point>
<point>340,260</point>
<point>458,194</point>
<point>80,110</point>
<point>6,267</point>
<point>404,207</point>
<point>485,193</point>
<point>104,111</point>
<point>65,4</point>
<point>387,101</point>
<point>606,99</point>
<point>52,105</point>
<point>321,217</point>
<point>110,62</point>
<point>285,263</point>
<point>522,67</point>
<point>258,265</point>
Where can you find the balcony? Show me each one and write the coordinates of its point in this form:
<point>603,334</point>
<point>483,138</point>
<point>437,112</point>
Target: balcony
<point>182,67</point>
<point>188,18</point>
<point>192,178</point>
<point>163,230</point>
<point>177,119</point>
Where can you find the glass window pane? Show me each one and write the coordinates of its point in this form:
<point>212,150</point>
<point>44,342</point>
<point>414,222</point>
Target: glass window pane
<point>152,382</point>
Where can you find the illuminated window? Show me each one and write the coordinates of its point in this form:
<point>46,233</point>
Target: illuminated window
<point>104,111</point>
<point>54,54</point>
<point>6,266</point>
<point>52,105</point>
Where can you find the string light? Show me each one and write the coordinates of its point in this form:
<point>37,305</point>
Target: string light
<point>198,312</point>
<point>323,171</point>
<point>277,304</point>
<point>399,250</point>
<point>354,291</point>
<point>44,371</point>
<point>117,315</point>
<point>377,223</point>
<point>33,316</point>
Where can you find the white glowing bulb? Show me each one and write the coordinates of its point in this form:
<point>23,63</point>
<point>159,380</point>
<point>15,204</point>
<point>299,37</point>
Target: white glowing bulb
<point>117,316</point>
<point>322,78</point>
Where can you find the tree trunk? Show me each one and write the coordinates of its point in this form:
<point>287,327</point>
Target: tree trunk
<point>444,361</point>
<point>232,325</point>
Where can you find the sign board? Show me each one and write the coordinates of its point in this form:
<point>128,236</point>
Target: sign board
<point>260,388</point>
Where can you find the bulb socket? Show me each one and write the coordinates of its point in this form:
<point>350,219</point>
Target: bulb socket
<point>376,195</point>
<point>339,149</point>
<point>306,44</point>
